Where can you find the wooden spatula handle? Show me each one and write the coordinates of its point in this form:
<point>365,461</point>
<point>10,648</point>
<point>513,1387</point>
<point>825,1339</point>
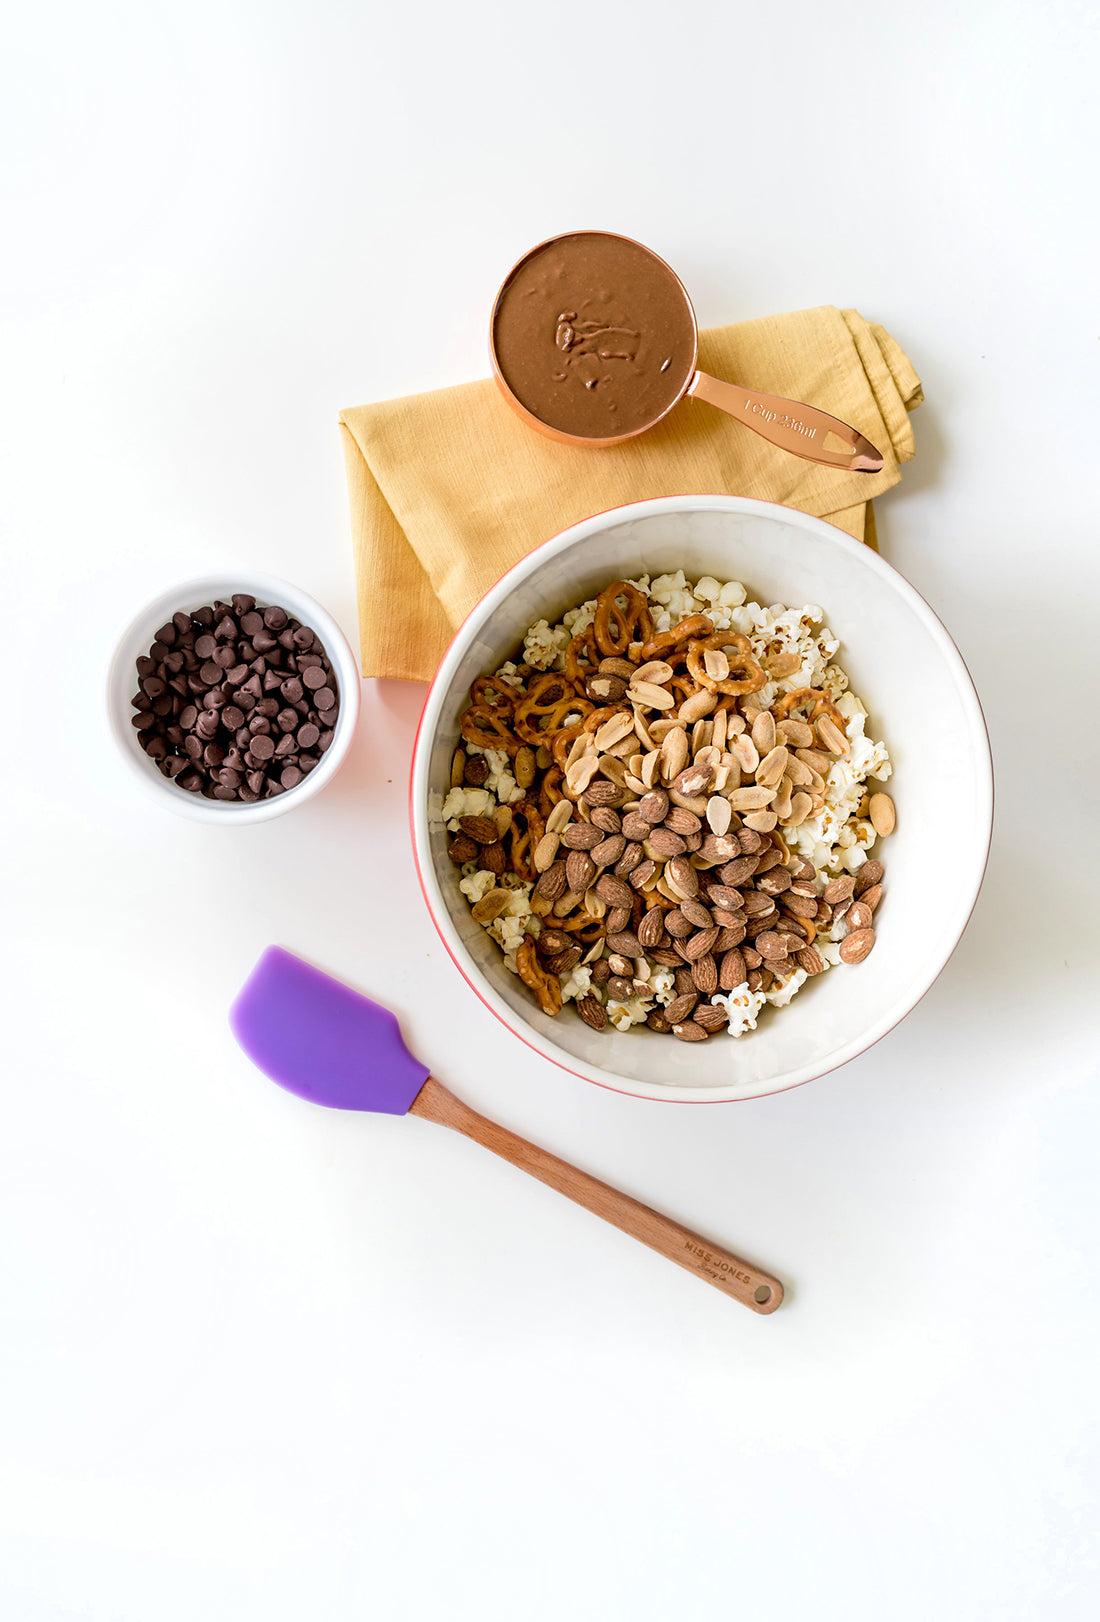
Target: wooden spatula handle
<point>728,1273</point>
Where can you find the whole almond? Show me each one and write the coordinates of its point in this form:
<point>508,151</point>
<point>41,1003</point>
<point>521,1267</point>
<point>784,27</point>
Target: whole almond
<point>564,962</point>
<point>769,945</point>
<point>619,988</point>
<point>870,873</point>
<point>732,971</point>
<point>751,843</point>
<point>524,768</point>
<point>840,889</point>
<point>616,892</point>
<point>592,1012</point>
<point>608,851</point>
<point>810,959</point>
<point>711,1017</point>
<point>493,858</point>
<point>855,947</point>
<point>636,827</point>
<point>693,780</point>
<point>681,1007</point>
<point>607,820</point>
<point>725,896</point>
<point>654,806</point>
<point>803,906</point>
<point>580,870</point>
<point>683,876</point>
<point>462,848</point>
<point>756,904</point>
<point>677,925</point>
<point>683,822</point>
<point>482,830</point>
<point>872,896</point>
<point>545,852</point>
<point>664,956</point>
<point>699,944</point>
<point>614,666</point>
<point>458,768</point>
<point>729,933</point>
<point>858,916</point>
<point>657,1021</point>
<point>621,965</point>
<point>666,843</point>
<point>775,882</point>
<point>626,942</point>
<point>551,884</point>
<point>618,918</point>
<point>604,792</point>
<point>581,836</point>
<point>883,815</point>
<point>704,971</point>
<point>641,875</point>
<point>696,913</point>
<point>629,859</point>
<point>652,927</point>
<point>689,1032</point>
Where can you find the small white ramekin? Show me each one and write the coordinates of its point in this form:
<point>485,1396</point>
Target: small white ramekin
<point>122,685</point>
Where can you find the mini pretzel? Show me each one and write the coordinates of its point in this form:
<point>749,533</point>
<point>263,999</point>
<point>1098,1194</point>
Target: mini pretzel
<point>750,681</point>
<point>561,743</point>
<point>526,830</point>
<point>593,722</point>
<point>549,699</point>
<point>675,641</point>
<point>582,645</point>
<point>489,692</point>
<point>550,790</point>
<point>822,705</point>
<point>546,986</point>
<point>617,628</point>
<point>487,728</point>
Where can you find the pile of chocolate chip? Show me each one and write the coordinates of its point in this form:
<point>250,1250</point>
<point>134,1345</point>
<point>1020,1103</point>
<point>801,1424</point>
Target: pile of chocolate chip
<point>236,702</point>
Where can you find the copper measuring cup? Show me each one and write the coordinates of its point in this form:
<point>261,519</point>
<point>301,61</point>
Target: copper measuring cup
<point>545,347</point>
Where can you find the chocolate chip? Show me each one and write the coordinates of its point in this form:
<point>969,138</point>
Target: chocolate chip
<point>232,718</point>
<point>291,690</point>
<point>324,698</point>
<point>313,677</point>
<point>210,673</point>
<point>242,602</point>
<point>226,629</point>
<point>308,735</point>
<point>262,747</point>
<point>290,776</point>
<point>275,618</point>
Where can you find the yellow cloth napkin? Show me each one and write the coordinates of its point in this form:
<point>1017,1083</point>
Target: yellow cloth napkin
<point>448,490</point>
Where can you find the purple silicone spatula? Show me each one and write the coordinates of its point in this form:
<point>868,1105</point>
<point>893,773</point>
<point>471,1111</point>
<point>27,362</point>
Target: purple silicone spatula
<point>330,1045</point>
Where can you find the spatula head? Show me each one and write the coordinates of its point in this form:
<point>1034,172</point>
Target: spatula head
<point>323,1041</point>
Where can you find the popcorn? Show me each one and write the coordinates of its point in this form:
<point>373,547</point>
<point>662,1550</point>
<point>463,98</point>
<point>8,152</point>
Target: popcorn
<point>780,996</point>
<point>631,1012</point>
<point>742,1007</point>
<point>467,802</point>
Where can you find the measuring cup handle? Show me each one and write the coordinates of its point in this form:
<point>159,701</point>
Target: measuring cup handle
<point>800,429</point>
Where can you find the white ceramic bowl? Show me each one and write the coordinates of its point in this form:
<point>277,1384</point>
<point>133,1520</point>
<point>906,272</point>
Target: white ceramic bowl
<point>192,594</point>
<point>908,672</point>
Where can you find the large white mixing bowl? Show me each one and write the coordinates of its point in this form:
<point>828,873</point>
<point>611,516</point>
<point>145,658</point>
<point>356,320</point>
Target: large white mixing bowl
<point>904,666</point>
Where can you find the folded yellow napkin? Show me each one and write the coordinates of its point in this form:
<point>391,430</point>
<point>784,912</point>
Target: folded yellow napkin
<point>448,490</point>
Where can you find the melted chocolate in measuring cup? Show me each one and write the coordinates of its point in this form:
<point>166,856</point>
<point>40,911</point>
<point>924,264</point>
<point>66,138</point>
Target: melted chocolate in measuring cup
<point>594,336</point>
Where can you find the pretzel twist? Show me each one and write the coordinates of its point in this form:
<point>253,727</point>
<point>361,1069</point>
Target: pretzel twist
<point>666,643</point>
<point>582,646</point>
<point>527,828</point>
<point>488,729</point>
<point>548,700</point>
<point>546,986</point>
<point>491,692</point>
<point>616,628</point>
<point>750,681</point>
<point>822,704</point>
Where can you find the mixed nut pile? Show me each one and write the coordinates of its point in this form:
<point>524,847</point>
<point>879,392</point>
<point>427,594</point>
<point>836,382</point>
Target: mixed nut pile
<point>655,796</point>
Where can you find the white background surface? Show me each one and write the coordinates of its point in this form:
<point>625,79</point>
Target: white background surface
<point>262,1361</point>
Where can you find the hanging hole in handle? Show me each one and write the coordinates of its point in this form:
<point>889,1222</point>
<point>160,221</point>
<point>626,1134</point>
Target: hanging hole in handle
<point>761,1294</point>
<point>833,442</point>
